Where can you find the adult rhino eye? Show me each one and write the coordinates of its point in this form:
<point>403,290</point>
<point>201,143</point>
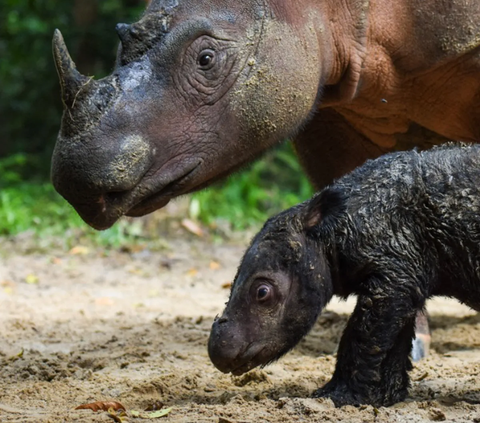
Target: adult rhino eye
<point>264,292</point>
<point>206,59</point>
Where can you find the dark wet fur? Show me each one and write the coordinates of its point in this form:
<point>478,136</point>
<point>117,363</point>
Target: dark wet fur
<point>394,232</point>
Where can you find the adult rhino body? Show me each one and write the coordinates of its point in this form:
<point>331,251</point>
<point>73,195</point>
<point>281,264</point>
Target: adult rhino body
<point>202,87</point>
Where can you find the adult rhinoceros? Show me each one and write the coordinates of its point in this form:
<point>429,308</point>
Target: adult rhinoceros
<point>202,87</point>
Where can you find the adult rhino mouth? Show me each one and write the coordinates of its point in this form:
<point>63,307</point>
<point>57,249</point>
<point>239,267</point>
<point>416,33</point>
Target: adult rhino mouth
<point>165,193</point>
<point>149,195</point>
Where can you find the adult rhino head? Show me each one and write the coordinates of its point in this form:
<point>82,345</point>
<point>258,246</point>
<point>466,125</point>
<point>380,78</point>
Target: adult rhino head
<point>199,89</point>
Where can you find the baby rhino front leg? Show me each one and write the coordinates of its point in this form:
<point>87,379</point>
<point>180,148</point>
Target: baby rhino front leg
<point>373,355</point>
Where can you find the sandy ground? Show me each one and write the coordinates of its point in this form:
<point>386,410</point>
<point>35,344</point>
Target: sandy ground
<point>90,325</point>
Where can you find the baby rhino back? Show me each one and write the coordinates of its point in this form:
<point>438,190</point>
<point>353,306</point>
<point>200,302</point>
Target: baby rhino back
<point>426,207</point>
<point>452,210</point>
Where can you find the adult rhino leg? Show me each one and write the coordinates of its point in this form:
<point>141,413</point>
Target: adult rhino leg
<point>328,147</point>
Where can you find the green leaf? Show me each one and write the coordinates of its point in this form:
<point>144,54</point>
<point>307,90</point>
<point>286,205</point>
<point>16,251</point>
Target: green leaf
<point>152,415</point>
<point>159,413</point>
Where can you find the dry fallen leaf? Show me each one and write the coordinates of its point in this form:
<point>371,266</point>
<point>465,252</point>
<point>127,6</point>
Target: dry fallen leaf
<point>137,271</point>
<point>159,413</point>
<point>101,406</point>
<point>214,265</point>
<point>226,285</point>
<point>104,301</point>
<point>7,286</point>
<point>79,250</point>
<point>117,418</point>
<point>154,293</point>
<point>133,248</point>
<point>192,227</point>
<point>192,272</point>
<point>31,279</point>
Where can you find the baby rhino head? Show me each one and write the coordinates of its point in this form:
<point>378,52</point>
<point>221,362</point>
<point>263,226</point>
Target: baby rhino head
<point>281,286</point>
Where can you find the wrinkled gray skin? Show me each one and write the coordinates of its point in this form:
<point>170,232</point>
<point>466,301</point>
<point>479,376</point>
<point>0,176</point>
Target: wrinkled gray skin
<point>202,87</point>
<point>397,231</point>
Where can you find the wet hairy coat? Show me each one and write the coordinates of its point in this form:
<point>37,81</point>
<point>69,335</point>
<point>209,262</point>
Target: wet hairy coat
<point>394,232</point>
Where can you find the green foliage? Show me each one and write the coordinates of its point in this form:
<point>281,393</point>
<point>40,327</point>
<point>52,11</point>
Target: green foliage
<point>30,105</point>
<point>250,197</point>
<point>28,206</point>
<point>245,199</point>
<point>10,169</point>
<point>38,209</point>
<point>35,207</point>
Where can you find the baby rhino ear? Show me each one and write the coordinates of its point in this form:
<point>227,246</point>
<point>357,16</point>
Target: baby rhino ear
<point>323,207</point>
<point>313,215</point>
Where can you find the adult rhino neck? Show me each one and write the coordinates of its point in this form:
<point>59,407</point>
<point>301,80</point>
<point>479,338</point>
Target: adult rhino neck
<point>336,33</point>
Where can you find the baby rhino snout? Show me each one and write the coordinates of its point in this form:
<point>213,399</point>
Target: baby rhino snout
<point>221,348</point>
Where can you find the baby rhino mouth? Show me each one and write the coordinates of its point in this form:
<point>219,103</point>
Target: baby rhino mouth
<point>251,358</point>
<point>231,355</point>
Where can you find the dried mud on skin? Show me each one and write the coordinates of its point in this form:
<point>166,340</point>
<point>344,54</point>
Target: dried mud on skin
<point>133,328</point>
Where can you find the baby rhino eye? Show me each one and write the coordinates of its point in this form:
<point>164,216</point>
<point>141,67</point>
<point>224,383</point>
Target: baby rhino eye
<point>263,292</point>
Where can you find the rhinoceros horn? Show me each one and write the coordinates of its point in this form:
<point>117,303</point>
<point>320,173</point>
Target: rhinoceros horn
<point>71,81</point>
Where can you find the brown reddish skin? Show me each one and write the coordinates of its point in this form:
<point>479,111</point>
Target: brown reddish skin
<point>347,80</point>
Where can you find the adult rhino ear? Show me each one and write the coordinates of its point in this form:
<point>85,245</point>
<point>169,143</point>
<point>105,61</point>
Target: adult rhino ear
<point>324,207</point>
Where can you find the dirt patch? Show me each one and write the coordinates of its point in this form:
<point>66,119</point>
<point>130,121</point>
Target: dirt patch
<point>133,327</point>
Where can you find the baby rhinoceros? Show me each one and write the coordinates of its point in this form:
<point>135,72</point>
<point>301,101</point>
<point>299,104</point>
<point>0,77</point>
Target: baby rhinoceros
<point>395,232</point>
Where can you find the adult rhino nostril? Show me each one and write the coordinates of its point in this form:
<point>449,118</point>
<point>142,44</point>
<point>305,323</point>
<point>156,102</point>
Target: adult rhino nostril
<point>222,320</point>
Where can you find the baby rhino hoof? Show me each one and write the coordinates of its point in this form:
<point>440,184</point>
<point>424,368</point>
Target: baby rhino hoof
<point>340,395</point>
